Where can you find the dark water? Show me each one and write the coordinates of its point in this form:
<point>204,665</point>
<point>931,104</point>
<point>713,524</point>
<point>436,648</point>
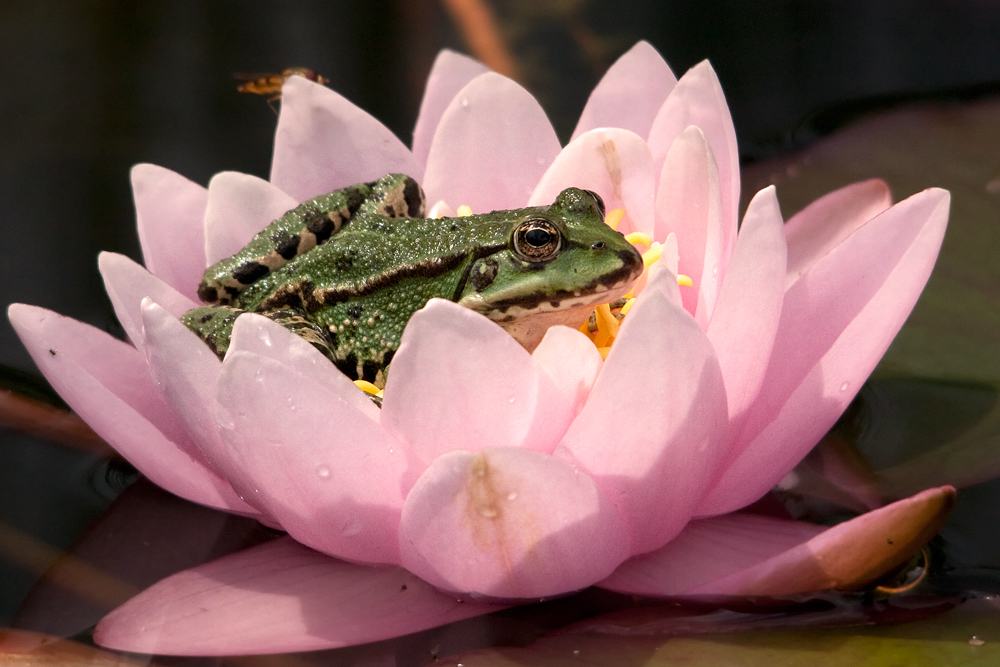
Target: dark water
<point>94,87</point>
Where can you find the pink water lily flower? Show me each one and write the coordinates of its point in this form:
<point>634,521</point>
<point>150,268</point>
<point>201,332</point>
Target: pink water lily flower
<point>491,474</point>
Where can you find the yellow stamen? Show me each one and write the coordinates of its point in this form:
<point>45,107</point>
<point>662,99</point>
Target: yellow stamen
<point>604,351</point>
<point>652,255</point>
<point>614,217</point>
<point>463,210</point>
<point>684,281</point>
<point>607,326</point>
<point>639,237</point>
<point>628,306</point>
<point>367,387</point>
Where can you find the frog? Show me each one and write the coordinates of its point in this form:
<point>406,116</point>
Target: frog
<point>346,270</point>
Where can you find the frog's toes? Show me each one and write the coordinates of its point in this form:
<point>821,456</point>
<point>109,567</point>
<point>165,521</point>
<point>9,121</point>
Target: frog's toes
<point>214,325</point>
<point>296,322</point>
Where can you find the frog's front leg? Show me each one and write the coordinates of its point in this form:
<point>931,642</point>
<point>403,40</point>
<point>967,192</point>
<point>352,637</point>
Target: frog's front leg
<point>214,325</point>
<point>301,229</point>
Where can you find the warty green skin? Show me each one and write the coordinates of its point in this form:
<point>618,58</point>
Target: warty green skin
<point>353,294</point>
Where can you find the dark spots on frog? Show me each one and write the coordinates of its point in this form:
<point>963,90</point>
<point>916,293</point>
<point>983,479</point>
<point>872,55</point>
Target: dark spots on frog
<point>355,312</point>
<point>369,370</point>
<point>345,261</point>
<point>206,318</point>
<point>207,293</point>
<point>250,271</point>
<point>348,366</point>
<point>355,197</point>
<point>287,245</point>
<point>414,198</point>
<point>231,291</point>
<point>319,225</point>
<point>555,304</point>
<point>598,246</point>
<point>484,273</point>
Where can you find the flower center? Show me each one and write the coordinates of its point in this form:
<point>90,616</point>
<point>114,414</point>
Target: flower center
<point>603,325</point>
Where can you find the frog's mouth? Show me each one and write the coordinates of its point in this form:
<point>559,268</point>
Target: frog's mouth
<point>603,289</point>
<point>528,318</point>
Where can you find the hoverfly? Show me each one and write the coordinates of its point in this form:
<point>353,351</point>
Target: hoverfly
<point>270,84</point>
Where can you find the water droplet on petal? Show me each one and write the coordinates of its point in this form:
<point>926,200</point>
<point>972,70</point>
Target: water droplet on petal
<point>512,495</point>
<point>845,386</point>
<point>323,471</point>
<point>976,641</point>
<point>465,101</point>
<point>511,399</point>
<point>352,527</point>
<point>715,270</point>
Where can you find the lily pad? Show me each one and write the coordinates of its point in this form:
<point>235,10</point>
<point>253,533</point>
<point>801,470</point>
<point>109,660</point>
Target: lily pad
<point>966,636</point>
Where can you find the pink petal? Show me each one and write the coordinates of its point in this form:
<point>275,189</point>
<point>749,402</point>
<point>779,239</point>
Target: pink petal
<point>449,74</point>
<point>509,523</point>
<point>651,431</point>
<point>324,142</point>
<point>697,99</point>
<point>459,381</point>
<point>708,550</point>
<point>311,460</point>
<point>825,223</point>
<point>614,163</point>
<point>105,381</point>
<point>630,93</point>
<point>491,147</point>
<point>185,370</point>
<point>274,598</point>
<point>746,315</point>
<point>836,322</point>
<point>265,337</point>
<point>170,210</point>
<point>688,205</point>
<point>239,206</point>
<point>128,284</point>
<point>571,361</point>
<point>848,556</point>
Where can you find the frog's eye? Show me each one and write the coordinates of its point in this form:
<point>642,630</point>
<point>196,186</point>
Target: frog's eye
<point>537,240</point>
<point>598,201</point>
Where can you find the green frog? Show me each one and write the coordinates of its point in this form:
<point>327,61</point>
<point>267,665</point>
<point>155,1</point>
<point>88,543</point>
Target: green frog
<point>346,270</point>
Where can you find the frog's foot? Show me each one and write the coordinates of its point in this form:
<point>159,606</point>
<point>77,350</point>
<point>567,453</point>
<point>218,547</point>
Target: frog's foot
<point>296,322</point>
<point>214,325</point>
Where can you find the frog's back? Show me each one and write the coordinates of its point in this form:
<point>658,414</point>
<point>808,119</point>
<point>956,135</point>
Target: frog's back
<point>311,223</point>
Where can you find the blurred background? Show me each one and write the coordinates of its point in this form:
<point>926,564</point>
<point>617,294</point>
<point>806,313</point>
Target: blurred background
<point>94,87</point>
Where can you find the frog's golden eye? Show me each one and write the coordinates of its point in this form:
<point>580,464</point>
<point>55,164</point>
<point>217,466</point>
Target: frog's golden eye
<point>537,240</point>
<point>598,201</point>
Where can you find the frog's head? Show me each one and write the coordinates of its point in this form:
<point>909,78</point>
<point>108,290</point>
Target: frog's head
<point>560,261</point>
